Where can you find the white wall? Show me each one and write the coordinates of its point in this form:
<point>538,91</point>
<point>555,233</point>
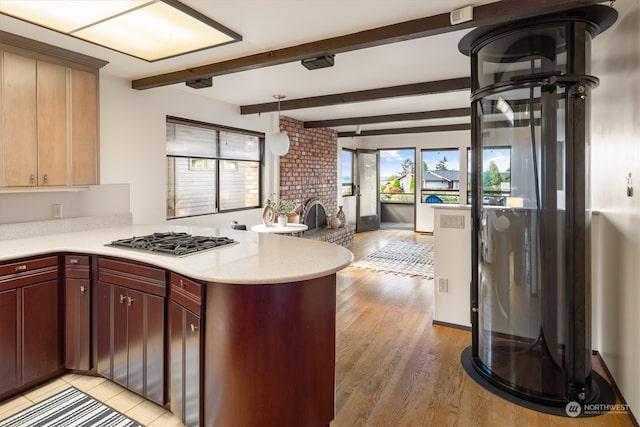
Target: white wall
<point>453,264</point>
<point>457,139</point>
<point>132,145</point>
<point>615,152</point>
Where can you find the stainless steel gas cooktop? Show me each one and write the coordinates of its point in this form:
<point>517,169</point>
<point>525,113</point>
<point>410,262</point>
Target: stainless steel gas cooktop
<point>177,244</point>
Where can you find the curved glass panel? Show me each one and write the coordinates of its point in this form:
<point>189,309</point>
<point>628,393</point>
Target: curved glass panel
<point>521,286</point>
<point>517,55</point>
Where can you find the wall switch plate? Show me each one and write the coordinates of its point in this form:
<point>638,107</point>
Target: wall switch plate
<point>443,285</point>
<point>451,221</point>
<point>57,210</point>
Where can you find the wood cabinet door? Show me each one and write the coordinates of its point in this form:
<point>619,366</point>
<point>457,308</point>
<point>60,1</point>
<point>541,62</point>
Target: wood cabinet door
<point>191,370</point>
<point>77,300</point>
<point>103,319</point>
<point>146,344</point>
<point>19,140</point>
<point>52,123</point>
<point>8,340</point>
<point>84,128</point>
<point>184,342</point>
<point>41,353</point>
<point>119,336</point>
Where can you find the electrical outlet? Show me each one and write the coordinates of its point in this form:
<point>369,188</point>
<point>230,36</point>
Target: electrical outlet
<point>443,285</point>
<point>57,210</point>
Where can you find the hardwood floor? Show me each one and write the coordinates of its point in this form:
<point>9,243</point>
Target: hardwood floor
<point>394,368</point>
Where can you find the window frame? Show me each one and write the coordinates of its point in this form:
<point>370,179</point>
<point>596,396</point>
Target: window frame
<point>352,154</point>
<point>413,195</point>
<point>218,160</point>
<point>437,192</point>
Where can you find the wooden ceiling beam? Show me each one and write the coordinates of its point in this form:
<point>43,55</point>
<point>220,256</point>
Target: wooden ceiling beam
<point>386,118</point>
<point>398,131</point>
<point>413,89</point>
<point>487,14</point>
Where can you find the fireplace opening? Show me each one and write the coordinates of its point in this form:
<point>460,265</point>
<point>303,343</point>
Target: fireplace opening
<point>314,216</point>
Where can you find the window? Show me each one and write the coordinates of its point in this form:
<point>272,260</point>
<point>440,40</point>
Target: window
<point>440,176</point>
<point>211,168</point>
<point>496,175</point>
<point>347,172</point>
<point>397,175</point>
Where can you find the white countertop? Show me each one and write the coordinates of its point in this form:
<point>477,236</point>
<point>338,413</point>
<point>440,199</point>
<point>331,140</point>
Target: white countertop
<point>257,258</point>
<point>277,229</point>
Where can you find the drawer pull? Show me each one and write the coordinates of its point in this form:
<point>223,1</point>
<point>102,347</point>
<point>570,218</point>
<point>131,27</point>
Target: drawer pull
<point>194,328</point>
<point>82,289</point>
<point>74,261</point>
<point>21,267</point>
<point>181,284</point>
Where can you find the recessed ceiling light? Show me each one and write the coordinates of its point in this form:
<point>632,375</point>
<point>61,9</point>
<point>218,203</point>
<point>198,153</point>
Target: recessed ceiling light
<point>149,30</point>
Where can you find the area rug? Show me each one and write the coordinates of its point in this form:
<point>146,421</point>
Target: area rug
<point>401,257</point>
<point>71,408</point>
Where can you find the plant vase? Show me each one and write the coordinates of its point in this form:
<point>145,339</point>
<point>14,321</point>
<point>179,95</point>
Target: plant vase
<point>282,220</point>
<point>342,217</point>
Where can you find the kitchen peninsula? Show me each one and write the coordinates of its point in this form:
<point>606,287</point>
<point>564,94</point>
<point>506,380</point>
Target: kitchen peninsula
<point>242,334</point>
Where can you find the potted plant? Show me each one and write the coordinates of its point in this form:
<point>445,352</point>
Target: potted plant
<point>281,209</point>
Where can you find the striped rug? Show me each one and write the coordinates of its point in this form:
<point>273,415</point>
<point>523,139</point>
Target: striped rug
<point>401,257</point>
<point>69,408</point>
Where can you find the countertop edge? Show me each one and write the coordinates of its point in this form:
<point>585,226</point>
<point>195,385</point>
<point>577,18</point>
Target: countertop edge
<point>257,263</point>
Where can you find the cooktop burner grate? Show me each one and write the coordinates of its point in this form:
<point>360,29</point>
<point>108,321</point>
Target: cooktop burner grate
<point>172,243</point>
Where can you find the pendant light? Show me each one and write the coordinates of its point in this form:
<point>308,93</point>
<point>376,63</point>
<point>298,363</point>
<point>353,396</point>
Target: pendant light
<point>279,142</point>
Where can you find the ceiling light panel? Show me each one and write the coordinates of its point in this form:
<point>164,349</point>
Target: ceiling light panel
<point>66,16</point>
<point>150,30</point>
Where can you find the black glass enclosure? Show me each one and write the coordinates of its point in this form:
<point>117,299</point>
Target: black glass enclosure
<point>531,301</point>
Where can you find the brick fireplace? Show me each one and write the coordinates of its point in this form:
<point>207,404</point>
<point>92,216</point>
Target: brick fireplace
<point>308,172</point>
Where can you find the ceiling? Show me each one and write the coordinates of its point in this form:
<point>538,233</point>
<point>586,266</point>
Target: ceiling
<point>268,25</point>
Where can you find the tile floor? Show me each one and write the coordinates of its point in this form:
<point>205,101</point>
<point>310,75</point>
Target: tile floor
<point>133,406</point>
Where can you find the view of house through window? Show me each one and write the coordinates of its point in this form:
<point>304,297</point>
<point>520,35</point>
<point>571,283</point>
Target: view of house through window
<point>397,175</point>
<point>440,176</point>
<point>347,172</point>
<point>211,168</point>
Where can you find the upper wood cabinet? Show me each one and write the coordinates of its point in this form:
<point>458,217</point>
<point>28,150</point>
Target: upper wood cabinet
<point>49,115</point>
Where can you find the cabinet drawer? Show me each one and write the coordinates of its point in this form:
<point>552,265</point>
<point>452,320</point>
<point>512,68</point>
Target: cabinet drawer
<point>76,267</point>
<point>19,274</point>
<point>76,260</point>
<point>27,266</point>
<point>132,275</point>
<point>186,292</point>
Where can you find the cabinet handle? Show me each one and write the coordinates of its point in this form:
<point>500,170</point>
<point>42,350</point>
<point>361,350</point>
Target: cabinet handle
<point>194,328</point>
<point>181,284</point>
<point>122,298</point>
<point>45,178</point>
<point>129,301</point>
<point>32,178</point>
<point>21,267</point>
<point>82,289</point>
<point>74,261</point>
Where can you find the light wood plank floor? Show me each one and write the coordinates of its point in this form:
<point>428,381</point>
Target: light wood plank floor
<point>394,368</point>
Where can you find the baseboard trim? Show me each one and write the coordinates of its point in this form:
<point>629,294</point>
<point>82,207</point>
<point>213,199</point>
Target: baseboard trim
<point>451,325</point>
<point>596,353</point>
